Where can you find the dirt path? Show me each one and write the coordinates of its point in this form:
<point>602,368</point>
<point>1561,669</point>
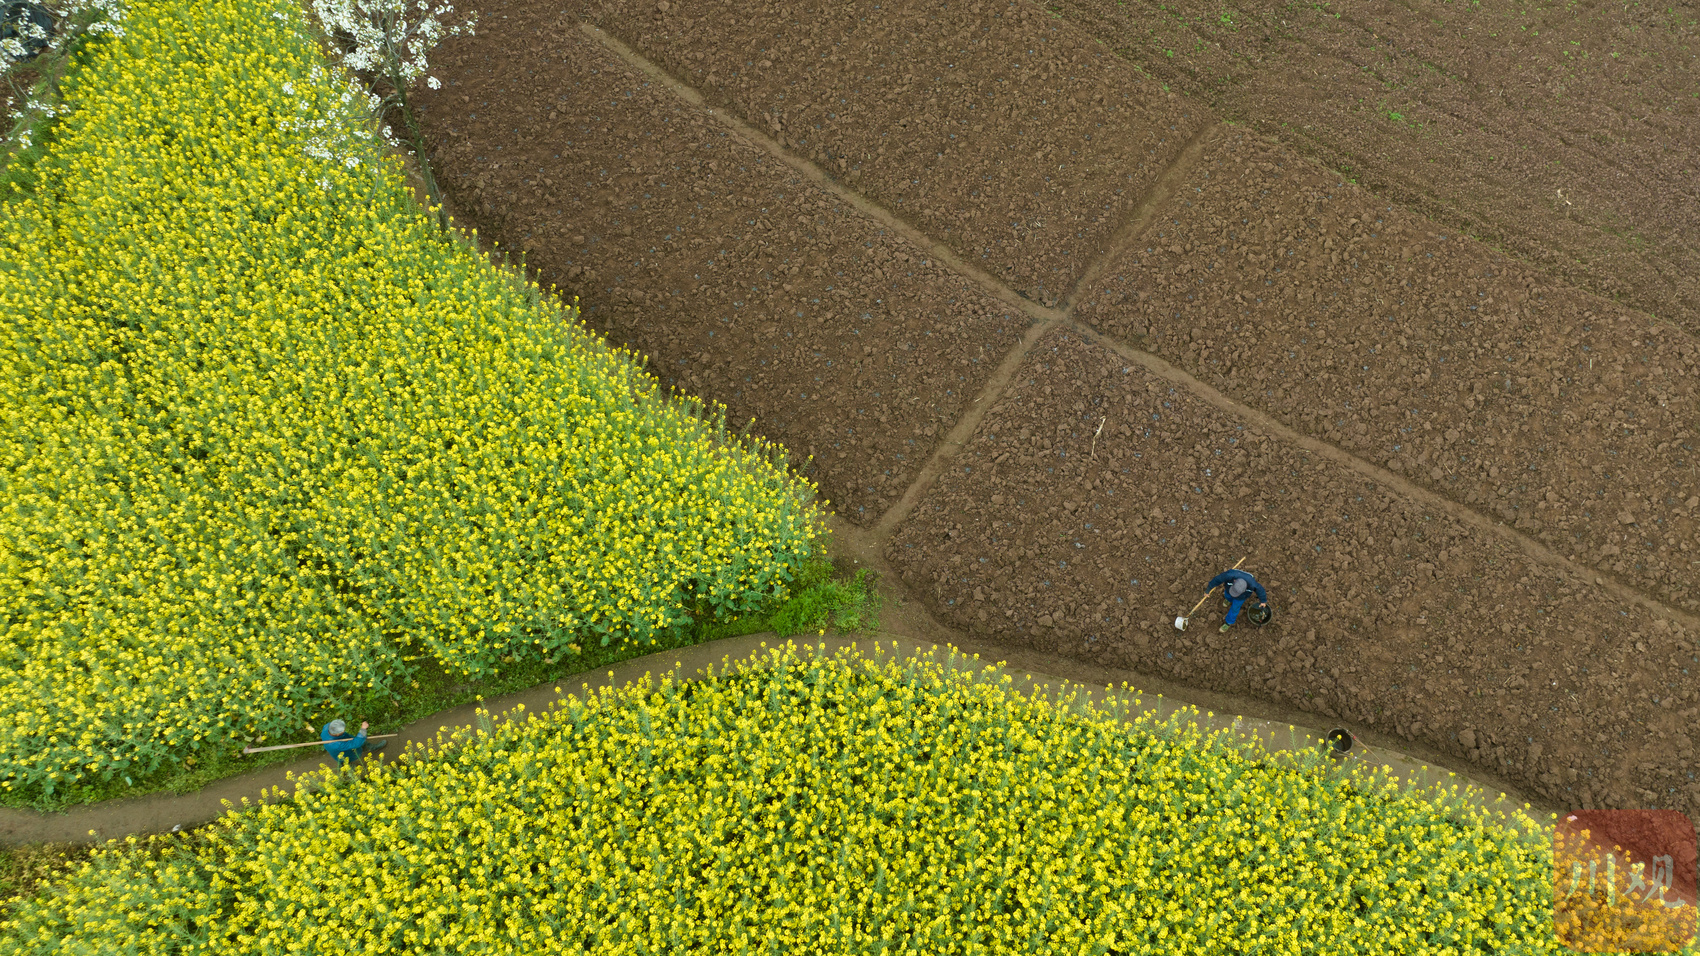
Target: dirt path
<point>905,623</point>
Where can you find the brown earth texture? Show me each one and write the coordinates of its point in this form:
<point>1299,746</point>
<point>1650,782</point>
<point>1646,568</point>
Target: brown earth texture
<point>1397,302</point>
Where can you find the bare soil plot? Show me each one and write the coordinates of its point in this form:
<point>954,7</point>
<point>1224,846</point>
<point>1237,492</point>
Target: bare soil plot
<point>1396,607</point>
<point>1388,611</point>
<point>1566,134</point>
<point>1014,139</point>
<point>738,279</point>
<point>1567,416</point>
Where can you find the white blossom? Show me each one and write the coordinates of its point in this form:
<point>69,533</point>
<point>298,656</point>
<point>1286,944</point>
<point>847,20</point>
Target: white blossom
<point>66,14</point>
<point>384,39</point>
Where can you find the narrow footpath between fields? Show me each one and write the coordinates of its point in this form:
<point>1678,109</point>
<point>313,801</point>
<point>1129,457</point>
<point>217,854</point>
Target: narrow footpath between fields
<point>905,625</point>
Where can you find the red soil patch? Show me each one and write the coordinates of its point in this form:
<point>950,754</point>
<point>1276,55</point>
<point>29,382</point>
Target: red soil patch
<point>737,278</point>
<point>1473,116</point>
<point>1561,414</point>
<point>1645,834</point>
<point>1019,142</point>
<point>1388,611</point>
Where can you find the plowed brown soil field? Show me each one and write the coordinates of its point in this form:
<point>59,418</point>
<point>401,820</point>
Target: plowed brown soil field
<point>742,281</point>
<point>1019,144</point>
<point>1395,611</point>
<point>1564,132</point>
<point>1560,413</point>
<point>1065,344</point>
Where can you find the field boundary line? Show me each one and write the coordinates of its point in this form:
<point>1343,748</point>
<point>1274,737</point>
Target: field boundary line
<point>964,429</point>
<point>1047,319</point>
<point>924,243</point>
<point>1044,318</point>
<point>158,813</point>
<point>1535,550</point>
<point>1162,189</point>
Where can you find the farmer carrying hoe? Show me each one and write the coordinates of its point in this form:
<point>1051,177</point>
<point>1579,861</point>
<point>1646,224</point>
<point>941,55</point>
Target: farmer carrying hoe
<point>346,747</point>
<point>1236,587</point>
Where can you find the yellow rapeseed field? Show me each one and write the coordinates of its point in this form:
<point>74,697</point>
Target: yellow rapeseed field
<point>270,435</point>
<point>831,804</point>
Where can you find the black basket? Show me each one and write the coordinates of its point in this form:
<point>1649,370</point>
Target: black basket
<point>1261,615</point>
<point>1340,743</point>
<point>12,27</point>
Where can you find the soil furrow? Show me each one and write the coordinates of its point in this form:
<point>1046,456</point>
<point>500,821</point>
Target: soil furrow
<point>1262,300</point>
<point>824,181</point>
<point>1483,524</point>
<point>963,431</point>
<point>1000,131</point>
<point>1389,610</point>
<point>1563,415</point>
<point>1564,136</point>
<point>738,277</point>
<point>1161,192</point>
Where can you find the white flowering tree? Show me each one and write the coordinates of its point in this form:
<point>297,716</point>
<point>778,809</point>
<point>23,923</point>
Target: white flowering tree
<point>377,39</point>
<point>331,122</point>
<point>45,33</point>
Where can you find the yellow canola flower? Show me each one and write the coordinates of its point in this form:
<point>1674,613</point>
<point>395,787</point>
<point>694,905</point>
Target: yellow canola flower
<point>271,435</point>
<point>828,802</point>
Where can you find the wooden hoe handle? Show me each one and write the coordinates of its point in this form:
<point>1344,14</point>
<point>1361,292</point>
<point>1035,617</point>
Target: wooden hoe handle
<point>310,743</point>
<point>1207,594</point>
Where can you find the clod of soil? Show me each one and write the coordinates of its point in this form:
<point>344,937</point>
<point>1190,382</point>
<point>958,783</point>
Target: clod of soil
<point>1563,135</point>
<point>1018,142</point>
<point>1563,415</point>
<point>1094,500</point>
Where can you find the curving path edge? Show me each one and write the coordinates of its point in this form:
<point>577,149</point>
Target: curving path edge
<point>158,813</point>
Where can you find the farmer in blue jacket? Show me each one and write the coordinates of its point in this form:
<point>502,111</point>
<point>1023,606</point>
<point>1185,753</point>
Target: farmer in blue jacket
<point>1237,586</point>
<point>344,746</point>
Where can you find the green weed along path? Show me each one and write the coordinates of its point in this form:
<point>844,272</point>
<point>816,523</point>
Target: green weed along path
<point>158,813</point>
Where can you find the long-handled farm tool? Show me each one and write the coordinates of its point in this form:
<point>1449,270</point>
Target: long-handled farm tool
<point>1180,622</point>
<point>311,743</point>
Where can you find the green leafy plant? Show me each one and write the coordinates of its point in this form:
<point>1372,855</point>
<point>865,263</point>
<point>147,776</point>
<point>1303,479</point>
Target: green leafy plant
<point>24,870</point>
<point>35,113</point>
<point>696,816</point>
<point>287,518</point>
<point>820,602</point>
